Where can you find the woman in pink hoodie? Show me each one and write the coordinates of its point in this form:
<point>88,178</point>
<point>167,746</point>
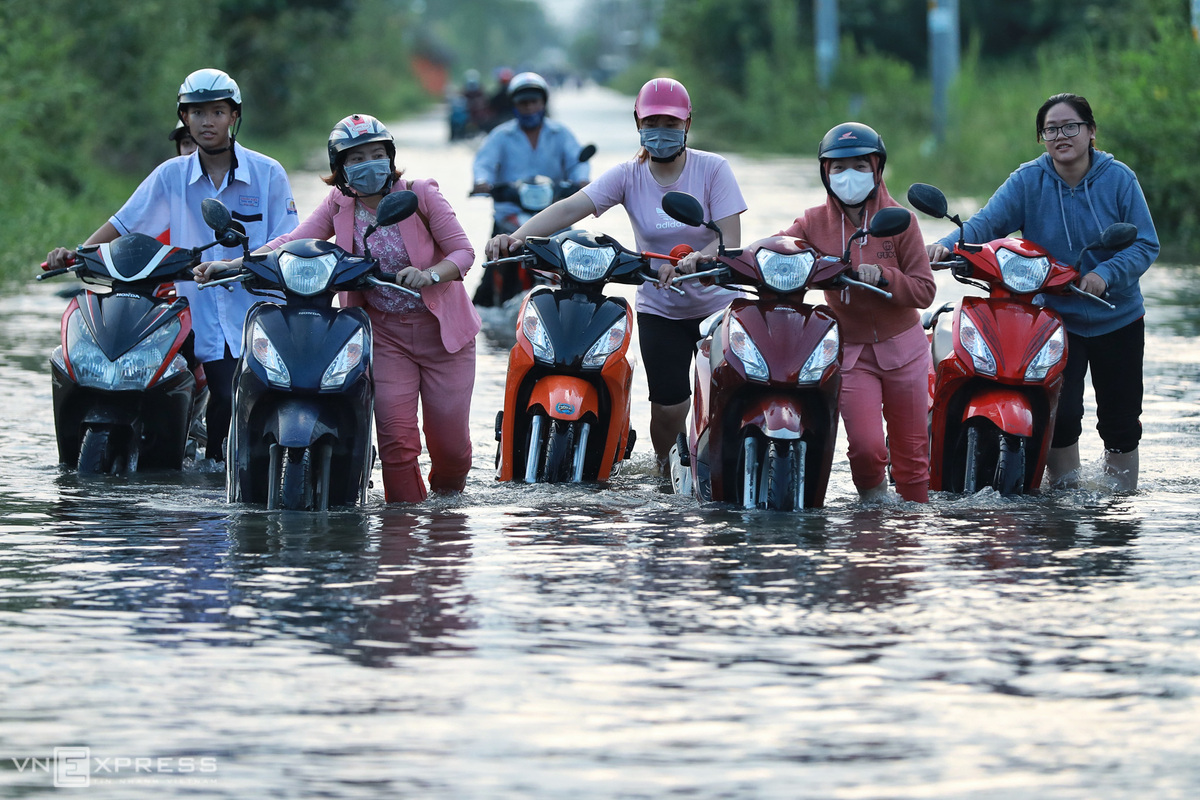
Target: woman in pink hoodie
<point>885,355</point>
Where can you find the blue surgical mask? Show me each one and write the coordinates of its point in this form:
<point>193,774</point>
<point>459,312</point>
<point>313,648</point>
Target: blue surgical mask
<point>530,121</point>
<point>368,177</point>
<point>852,186</point>
<point>663,144</point>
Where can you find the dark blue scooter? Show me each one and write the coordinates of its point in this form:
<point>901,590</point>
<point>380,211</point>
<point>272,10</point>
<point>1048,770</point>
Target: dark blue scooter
<point>303,401</point>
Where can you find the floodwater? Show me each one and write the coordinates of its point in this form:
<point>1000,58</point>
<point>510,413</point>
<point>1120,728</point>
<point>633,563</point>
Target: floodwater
<point>533,642</point>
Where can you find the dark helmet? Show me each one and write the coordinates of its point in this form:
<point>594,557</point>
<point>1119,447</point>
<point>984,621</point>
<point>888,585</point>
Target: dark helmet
<point>848,140</point>
<point>852,139</point>
<point>352,131</point>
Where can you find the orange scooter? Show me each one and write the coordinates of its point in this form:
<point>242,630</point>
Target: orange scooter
<point>566,397</point>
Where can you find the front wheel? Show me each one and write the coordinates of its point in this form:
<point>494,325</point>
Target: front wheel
<point>559,461</point>
<point>993,459</point>
<point>288,485</point>
<point>784,476</point>
<point>96,452</point>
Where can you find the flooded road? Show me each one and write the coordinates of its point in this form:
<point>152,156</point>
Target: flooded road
<point>534,642</point>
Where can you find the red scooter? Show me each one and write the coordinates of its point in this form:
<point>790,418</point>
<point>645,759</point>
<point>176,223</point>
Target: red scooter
<point>999,364</point>
<point>765,407</point>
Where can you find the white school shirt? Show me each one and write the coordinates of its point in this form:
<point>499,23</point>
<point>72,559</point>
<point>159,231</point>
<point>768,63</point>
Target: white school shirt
<point>257,194</point>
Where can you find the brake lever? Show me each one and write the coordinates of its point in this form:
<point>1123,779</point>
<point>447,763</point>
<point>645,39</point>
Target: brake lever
<point>1091,296</point>
<point>371,279</point>
<point>235,278</point>
<point>649,276</point>
<point>852,282</point>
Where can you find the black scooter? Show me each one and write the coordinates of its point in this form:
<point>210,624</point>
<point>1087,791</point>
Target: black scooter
<point>303,401</point>
<point>125,398</point>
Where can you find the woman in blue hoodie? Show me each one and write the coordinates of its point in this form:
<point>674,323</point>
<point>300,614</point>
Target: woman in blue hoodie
<point>1063,200</point>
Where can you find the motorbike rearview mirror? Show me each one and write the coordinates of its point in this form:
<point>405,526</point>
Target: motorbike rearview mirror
<point>889,222</point>
<point>685,208</point>
<point>395,207</point>
<point>1118,236</point>
<point>927,199</point>
<point>587,152</point>
<point>216,215</point>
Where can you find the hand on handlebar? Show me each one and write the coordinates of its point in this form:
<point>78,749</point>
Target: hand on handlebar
<point>1093,284</point>
<point>871,273</point>
<point>211,270</point>
<point>501,246</point>
<point>939,256</point>
<point>58,258</point>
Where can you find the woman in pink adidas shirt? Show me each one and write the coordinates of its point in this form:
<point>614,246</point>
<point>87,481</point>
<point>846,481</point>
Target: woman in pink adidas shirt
<point>668,323</point>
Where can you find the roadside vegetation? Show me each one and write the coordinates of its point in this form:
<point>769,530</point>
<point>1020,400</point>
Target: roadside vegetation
<point>87,87</point>
<point>1135,60</point>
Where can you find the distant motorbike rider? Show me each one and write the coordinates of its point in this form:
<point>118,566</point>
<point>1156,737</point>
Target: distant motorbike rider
<point>522,148</point>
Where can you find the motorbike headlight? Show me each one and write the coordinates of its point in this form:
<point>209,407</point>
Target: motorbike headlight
<point>606,345</point>
<point>825,354</point>
<point>349,357</point>
<point>132,370</point>
<point>744,348</point>
<point>1020,273</point>
<point>585,263</point>
<point>266,354</point>
<point>306,276</point>
<point>972,341</point>
<point>535,196</point>
<point>1050,354</point>
<point>784,273</point>
<point>535,331</point>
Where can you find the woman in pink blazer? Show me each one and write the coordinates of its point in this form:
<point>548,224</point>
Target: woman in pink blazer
<point>424,346</point>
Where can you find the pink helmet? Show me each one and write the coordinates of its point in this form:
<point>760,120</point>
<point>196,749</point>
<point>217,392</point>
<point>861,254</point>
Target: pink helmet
<point>663,96</point>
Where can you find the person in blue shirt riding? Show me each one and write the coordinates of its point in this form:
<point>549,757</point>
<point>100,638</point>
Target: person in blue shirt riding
<point>529,145</point>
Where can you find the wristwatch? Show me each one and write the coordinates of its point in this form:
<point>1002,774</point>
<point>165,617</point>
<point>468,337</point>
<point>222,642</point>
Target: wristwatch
<point>433,275</point>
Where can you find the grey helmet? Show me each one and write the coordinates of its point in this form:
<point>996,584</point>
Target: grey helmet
<point>525,83</point>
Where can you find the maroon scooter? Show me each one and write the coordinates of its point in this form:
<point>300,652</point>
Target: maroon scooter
<point>767,375</point>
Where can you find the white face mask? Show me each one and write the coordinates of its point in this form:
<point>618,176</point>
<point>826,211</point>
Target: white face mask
<point>852,186</point>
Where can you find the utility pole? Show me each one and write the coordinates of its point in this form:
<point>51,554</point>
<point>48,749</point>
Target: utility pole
<point>825,25</point>
<point>943,60</point>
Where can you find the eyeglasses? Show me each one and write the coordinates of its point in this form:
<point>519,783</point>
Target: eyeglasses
<point>1068,130</point>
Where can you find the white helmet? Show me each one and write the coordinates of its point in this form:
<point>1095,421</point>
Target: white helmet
<point>526,82</point>
<point>206,85</point>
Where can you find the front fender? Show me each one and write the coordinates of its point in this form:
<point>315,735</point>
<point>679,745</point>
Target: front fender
<point>299,422</point>
<point>1007,408</point>
<point>565,397</point>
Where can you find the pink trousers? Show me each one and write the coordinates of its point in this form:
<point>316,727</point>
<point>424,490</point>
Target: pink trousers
<point>410,363</point>
<point>872,395</point>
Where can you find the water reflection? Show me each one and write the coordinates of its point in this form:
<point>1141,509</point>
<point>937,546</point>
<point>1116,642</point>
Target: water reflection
<point>367,588</point>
